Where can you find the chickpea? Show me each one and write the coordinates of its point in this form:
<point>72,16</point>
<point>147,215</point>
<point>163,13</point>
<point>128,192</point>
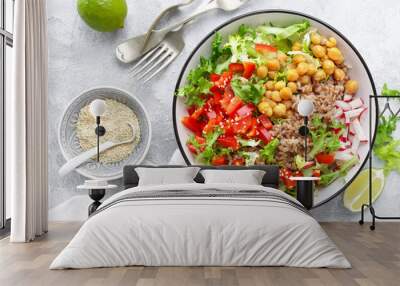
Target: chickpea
<point>282,57</point>
<point>289,113</point>
<point>268,94</point>
<point>302,68</point>
<point>285,93</point>
<point>279,85</point>
<point>315,38</point>
<point>339,61</point>
<point>319,75</point>
<point>331,42</point>
<point>273,65</point>
<point>271,102</point>
<point>312,69</point>
<point>296,46</point>
<point>298,59</point>
<point>280,110</point>
<point>328,66</point>
<point>305,79</point>
<point>291,66</point>
<point>351,87</point>
<point>269,85</point>
<point>292,75</point>
<point>335,54</point>
<point>339,74</point>
<point>262,71</point>
<point>272,74</point>
<point>318,51</point>
<point>288,104</point>
<point>323,41</point>
<point>292,86</point>
<point>265,108</point>
<point>275,96</point>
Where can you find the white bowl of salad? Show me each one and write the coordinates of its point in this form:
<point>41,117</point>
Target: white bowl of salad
<point>236,100</point>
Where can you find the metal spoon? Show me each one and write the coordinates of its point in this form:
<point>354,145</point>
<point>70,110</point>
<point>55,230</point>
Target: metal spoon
<point>131,49</point>
<point>130,52</point>
<point>75,162</point>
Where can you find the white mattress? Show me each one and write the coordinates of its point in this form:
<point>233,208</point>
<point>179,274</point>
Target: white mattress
<point>200,231</point>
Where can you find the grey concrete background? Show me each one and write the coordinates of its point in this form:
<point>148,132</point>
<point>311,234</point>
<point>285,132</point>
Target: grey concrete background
<point>80,58</point>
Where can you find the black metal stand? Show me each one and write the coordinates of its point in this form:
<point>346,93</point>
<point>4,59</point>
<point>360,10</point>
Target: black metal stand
<point>305,193</point>
<point>371,144</point>
<point>96,195</point>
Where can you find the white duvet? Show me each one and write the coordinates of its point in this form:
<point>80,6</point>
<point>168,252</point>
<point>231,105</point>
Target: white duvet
<point>200,231</point>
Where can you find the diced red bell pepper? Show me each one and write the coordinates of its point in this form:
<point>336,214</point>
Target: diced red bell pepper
<point>197,113</point>
<point>316,173</point>
<point>230,107</point>
<point>253,130</point>
<point>265,121</point>
<point>214,77</point>
<point>249,68</point>
<point>239,161</point>
<point>242,126</point>
<point>227,127</point>
<point>264,135</point>
<point>284,175</point>
<point>191,124</point>
<point>264,48</point>
<point>209,127</point>
<point>224,80</point>
<point>191,148</point>
<point>228,142</point>
<point>325,158</point>
<point>191,109</point>
<point>218,160</point>
<point>200,140</point>
<point>245,110</point>
<point>236,67</point>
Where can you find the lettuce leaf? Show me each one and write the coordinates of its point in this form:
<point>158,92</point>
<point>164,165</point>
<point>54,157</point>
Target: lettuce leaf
<point>292,32</point>
<point>209,149</point>
<point>248,91</point>
<point>323,138</point>
<point>269,150</point>
<point>329,177</point>
<point>389,92</point>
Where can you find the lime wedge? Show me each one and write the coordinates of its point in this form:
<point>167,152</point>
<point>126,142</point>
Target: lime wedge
<point>357,193</point>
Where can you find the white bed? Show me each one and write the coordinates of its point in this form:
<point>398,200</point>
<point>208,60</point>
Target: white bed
<point>185,230</point>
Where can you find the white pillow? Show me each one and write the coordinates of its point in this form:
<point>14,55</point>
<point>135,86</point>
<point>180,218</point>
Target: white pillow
<point>248,177</point>
<point>164,176</point>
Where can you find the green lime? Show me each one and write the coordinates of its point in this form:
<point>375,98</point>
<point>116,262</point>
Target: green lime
<point>357,193</point>
<point>103,15</point>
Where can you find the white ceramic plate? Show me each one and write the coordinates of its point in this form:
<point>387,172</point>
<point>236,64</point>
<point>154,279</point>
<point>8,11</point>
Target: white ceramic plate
<point>69,142</point>
<point>358,72</point>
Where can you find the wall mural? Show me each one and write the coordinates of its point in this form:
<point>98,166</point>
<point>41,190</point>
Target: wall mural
<point>291,91</point>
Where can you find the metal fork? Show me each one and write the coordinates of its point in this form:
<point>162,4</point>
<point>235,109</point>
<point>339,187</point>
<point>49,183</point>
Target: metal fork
<point>159,57</point>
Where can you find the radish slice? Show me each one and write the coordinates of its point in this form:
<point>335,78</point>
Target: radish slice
<point>343,156</point>
<point>356,103</point>
<point>347,97</point>
<point>355,145</point>
<point>343,105</point>
<point>354,113</point>
<point>338,113</point>
<point>359,131</point>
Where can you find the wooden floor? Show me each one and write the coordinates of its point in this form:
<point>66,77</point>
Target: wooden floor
<point>375,257</point>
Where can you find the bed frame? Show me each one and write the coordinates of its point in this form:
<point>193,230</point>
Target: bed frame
<point>270,179</point>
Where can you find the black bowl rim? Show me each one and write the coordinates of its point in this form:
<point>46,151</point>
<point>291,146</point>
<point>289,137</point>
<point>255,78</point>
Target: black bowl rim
<point>178,141</point>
